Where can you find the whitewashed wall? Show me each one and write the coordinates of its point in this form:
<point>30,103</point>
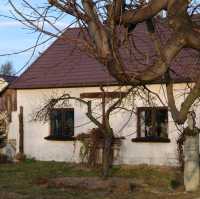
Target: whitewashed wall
<point>37,147</point>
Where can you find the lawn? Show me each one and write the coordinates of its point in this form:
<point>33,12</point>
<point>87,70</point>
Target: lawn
<point>53,180</point>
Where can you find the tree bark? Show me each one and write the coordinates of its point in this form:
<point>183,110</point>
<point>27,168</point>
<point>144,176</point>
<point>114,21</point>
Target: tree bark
<point>191,162</point>
<point>107,154</point>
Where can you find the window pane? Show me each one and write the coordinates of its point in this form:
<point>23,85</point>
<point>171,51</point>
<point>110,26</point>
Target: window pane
<point>153,122</point>
<point>161,122</point>
<point>68,124</point>
<point>56,122</point>
<point>142,123</point>
<point>146,123</point>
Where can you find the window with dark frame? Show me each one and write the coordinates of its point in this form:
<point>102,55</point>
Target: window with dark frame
<point>152,122</point>
<point>62,123</point>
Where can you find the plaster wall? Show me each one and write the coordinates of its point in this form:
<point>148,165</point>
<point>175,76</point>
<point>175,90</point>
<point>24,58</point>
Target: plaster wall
<point>37,147</point>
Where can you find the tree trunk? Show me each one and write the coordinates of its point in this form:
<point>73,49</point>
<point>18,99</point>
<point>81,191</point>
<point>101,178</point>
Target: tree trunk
<point>191,162</point>
<point>107,155</point>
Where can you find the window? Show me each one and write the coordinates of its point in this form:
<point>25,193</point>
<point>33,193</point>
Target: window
<point>153,123</point>
<point>62,123</point>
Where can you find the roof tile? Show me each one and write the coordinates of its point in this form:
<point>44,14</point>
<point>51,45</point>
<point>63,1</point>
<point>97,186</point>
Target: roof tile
<point>64,65</point>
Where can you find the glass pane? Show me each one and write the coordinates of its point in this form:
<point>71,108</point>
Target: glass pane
<point>68,125</point>
<point>161,123</point>
<point>56,123</point>
<point>146,123</point>
<point>142,123</point>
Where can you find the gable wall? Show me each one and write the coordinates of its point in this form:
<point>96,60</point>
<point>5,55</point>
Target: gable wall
<point>36,146</point>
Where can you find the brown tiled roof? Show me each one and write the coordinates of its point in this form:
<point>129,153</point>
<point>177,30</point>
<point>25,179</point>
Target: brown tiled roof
<point>63,64</point>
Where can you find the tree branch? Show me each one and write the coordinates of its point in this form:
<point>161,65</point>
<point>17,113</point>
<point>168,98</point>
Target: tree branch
<point>181,116</point>
<point>69,8</point>
<point>145,12</point>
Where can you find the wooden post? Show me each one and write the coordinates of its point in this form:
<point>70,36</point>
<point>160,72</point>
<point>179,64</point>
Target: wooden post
<point>21,131</point>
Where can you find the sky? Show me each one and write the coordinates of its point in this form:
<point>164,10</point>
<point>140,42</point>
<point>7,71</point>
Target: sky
<point>15,37</point>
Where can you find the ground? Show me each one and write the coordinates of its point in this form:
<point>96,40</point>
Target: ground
<point>51,180</point>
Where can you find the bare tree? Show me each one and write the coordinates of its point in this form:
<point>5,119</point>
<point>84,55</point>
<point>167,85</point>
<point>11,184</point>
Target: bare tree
<point>109,24</point>
<point>103,125</point>
<point>7,69</point>
<point>102,19</point>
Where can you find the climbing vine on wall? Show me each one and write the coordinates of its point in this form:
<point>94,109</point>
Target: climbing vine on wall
<point>92,144</point>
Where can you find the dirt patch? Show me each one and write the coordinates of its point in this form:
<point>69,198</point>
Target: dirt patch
<point>92,183</point>
<point>114,187</point>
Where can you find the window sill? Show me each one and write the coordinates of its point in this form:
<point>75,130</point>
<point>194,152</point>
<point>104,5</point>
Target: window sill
<point>151,139</point>
<point>59,138</point>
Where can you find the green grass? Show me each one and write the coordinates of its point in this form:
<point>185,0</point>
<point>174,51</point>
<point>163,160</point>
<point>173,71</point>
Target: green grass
<point>22,178</point>
<point>21,181</point>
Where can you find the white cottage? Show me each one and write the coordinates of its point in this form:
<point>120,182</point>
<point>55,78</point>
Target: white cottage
<point>150,134</point>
